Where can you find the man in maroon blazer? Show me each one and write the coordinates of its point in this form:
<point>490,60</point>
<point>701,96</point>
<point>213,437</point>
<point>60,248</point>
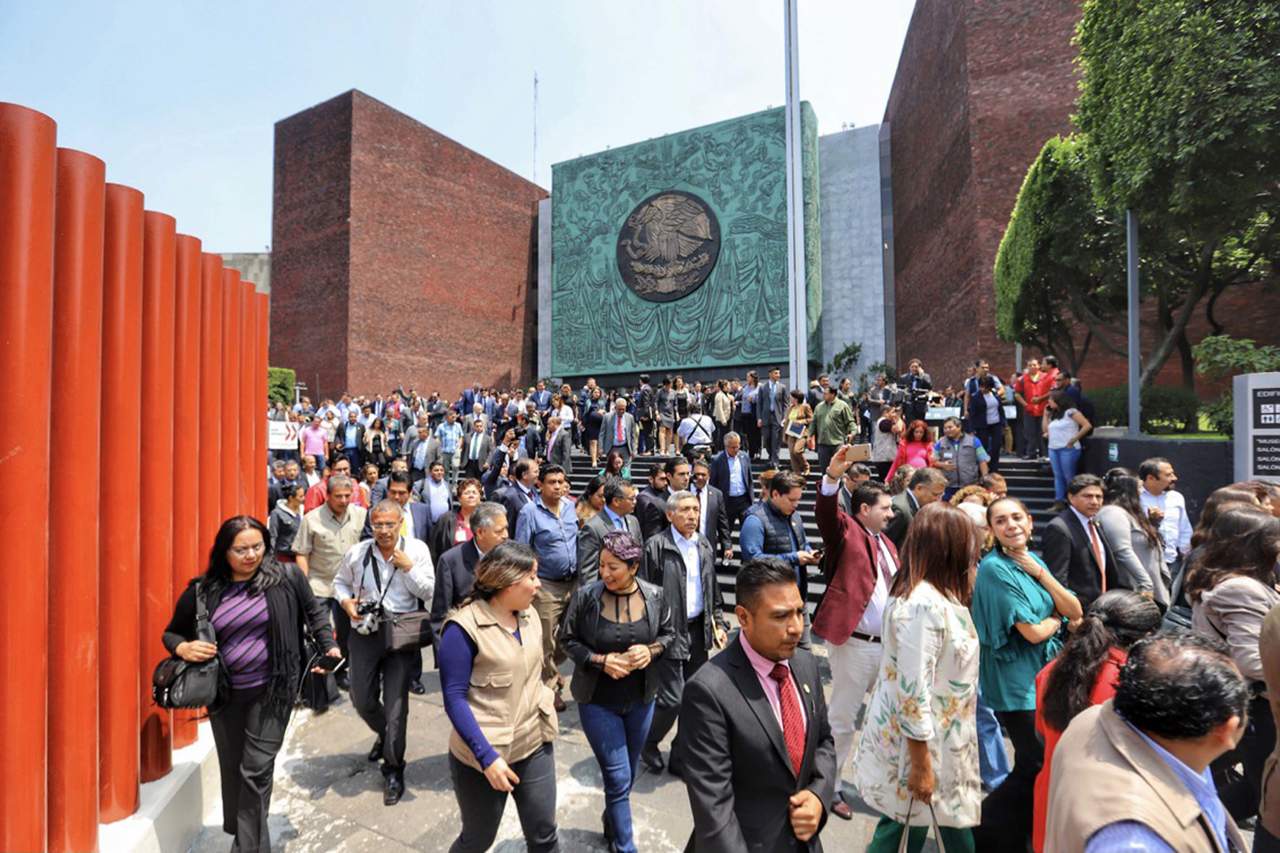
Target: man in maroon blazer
<point>860,564</point>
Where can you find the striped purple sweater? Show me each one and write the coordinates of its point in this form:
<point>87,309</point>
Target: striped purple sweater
<point>241,625</point>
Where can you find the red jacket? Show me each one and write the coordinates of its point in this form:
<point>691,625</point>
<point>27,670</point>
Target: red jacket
<point>851,550</point>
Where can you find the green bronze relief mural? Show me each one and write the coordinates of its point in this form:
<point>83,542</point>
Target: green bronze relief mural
<point>671,254</point>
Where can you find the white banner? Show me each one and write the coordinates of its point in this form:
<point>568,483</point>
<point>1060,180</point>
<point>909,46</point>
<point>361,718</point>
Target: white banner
<point>941,413</point>
<point>282,435</point>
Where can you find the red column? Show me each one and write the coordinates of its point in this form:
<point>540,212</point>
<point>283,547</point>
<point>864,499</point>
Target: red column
<point>159,273</point>
<point>27,165</point>
<point>263,308</point>
<point>209,474</point>
<point>121,498</point>
<point>186,438</point>
<point>232,350</point>
<point>250,412</point>
<point>73,523</point>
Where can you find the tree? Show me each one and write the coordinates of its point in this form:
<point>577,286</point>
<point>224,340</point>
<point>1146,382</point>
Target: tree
<point>280,382</point>
<point>1222,356</point>
<point>1180,101</point>
<point>1059,271</point>
<point>845,360</point>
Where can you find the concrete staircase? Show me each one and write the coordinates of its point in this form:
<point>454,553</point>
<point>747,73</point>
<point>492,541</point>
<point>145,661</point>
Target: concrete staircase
<point>1031,482</point>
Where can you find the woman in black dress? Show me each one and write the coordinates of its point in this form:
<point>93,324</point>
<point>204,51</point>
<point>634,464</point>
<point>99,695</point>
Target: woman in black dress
<point>593,417</point>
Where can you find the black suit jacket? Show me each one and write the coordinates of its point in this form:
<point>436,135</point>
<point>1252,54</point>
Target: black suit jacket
<point>717,528</point>
<point>1067,552</point>
<point>651,511</point>
<point>591,540</point>
<point>736,769</point>
<point>720,472</point>
<point>421,514</point>
<point>455,575</point>
<point>513,498</point>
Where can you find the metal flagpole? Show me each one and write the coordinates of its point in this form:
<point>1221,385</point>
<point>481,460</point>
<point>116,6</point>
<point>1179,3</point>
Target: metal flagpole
<point>798,328</point>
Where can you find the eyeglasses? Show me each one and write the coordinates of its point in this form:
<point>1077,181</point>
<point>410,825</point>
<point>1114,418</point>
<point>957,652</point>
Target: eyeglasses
<point>249,549</point>
<point>385,525</point>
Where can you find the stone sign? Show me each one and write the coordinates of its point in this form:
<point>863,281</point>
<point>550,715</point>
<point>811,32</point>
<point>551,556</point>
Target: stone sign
<point>668,246</point>
<point>1257,426</point>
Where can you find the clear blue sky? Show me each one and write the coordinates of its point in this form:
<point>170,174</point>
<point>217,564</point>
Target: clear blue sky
<point>179,98</point>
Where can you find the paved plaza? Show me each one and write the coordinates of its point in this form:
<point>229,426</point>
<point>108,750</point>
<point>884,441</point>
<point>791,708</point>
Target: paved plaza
<point>328,797</point>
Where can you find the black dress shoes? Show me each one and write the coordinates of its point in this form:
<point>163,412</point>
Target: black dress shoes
<point>395,788</point>
<point>375,754</point>
<point>416,687</point>
<point>651,758</point>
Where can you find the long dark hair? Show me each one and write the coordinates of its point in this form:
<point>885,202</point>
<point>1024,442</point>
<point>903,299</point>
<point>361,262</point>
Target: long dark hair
<point>1115,619</point>
<point>1219,500</point>
<point>1120,488</point>
<point>942,545</point>
<point>217,576</point>
<point>1244,541</point>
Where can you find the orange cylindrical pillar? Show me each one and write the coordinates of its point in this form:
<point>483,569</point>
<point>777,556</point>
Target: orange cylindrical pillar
<point>73,524</point>
<point>159,278</point>
<point>263,308</point>
<point>27,181</point>
<point>232,351</point>
<point>211,449</point>
<point>120,501</point>
<point>186,437</point>
<point>250,411</point>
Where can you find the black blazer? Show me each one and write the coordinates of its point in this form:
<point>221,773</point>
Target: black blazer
<point>720,473</point>
<point>651,511</point>
<point>736,768</point>
<point>441,538</point>
<point>717,527</point>
<point>513,498</point>
<point>591,540</point>
<point>1066,551</point>
<point>580,632</point>
<point>663,565</point>
<point>455,575</point>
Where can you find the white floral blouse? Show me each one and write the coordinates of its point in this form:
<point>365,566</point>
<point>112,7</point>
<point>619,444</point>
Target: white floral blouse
<point>927,690</point>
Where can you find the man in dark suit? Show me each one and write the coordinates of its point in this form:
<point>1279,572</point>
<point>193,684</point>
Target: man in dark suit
<point>731,474</point>
<point>519,490</point>
<point>651,503</point>
<point>477,445</point>
<point>925,486</point>
<point>279,488</point>
<point>619,502</point>
<point>350,438</point>
<point>456,571</point>
<point>773,404</point>
<point>757,751</point>
<point>379,490</point>
<point>713,521</point>
<point>1074,548</point>
<point>618,432</point>
<point>560,445</point>
<point>671,559</point>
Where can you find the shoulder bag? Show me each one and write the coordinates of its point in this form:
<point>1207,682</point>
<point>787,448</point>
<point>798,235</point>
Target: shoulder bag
<point>177,683</point>
<point>906,830</point>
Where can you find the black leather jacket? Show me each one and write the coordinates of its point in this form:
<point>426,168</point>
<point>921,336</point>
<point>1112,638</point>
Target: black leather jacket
<point>580,625</point>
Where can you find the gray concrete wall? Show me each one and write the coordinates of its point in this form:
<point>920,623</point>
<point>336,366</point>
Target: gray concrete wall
<point>853,306</point>
<point>252,266</point>
<point>544,288</point>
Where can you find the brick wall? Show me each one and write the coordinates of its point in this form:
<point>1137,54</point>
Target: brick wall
<point>436,280</point>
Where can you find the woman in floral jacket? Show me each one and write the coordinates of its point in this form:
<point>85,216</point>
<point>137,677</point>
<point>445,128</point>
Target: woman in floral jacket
<point>919,746</point>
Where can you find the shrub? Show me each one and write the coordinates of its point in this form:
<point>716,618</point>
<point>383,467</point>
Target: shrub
<point>1165,408</point>
<point>280,381</point>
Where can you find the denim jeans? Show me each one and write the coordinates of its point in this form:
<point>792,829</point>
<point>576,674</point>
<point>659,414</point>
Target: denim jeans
<point>993,758</point>
<point>1064,461</point>
<point>616,734</point>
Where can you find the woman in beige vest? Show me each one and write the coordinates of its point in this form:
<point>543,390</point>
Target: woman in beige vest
<point>503,716</point>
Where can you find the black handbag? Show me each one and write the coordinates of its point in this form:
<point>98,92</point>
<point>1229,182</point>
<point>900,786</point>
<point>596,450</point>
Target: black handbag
<point>176,683</point>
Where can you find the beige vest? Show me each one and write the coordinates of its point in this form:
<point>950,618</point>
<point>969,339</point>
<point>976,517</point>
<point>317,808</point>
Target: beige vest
<point>512,706</point>
<point>1104,772</point>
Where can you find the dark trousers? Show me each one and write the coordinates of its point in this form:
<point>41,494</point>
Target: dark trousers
<point>341,626</point>
<point>1241,792</point>
<point>750,433</point>
<point>1263,841</point>
<point>674,674</point>
<point>1007,811</point>
<point>771,436</point>
<point>825,452</point>
<point>481,807</point>
<point>247,735</point>
<point>646,435</point>
<point>383,707</point>
<point>1032,438</point>
<point>616,734</point>
<point>736,506</point>
<point>353,456</point>
<point>992,438</point>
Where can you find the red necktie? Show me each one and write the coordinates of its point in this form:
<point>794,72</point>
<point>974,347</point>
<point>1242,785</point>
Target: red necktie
<point>1098,554</point>
<point>618,419</point>
<point>792,718</point>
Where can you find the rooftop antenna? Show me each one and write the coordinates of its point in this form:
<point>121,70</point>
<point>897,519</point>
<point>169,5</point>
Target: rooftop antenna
<point>535,126</point>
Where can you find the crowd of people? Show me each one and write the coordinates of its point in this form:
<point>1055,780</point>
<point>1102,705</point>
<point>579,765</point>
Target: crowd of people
<point>1125,654</point>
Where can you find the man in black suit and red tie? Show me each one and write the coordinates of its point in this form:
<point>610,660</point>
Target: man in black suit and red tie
<point>757,753</point>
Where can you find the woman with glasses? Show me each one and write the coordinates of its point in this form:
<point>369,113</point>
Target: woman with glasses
<point>259,610</point>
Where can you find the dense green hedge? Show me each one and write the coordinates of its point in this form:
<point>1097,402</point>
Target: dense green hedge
<point>1165,408</point>
<point>280,381</point>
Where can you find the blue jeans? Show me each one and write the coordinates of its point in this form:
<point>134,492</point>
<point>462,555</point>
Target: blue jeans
<point>1064,461</point>
<point>993,758</point>
<point>616,734</point>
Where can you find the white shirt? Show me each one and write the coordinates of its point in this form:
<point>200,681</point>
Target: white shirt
<point>700,427</point>
<point>736,487</point>
<point>1087,524</point>
<point>1175,527</point>
<point>702,509</point>
<point>692,572</point>
<point>403,589</point>
<point>872,621</point>
<point>312,478</point>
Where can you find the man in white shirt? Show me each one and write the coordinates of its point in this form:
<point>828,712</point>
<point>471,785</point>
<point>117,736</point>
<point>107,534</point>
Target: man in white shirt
<point>696,430</point>
<point>388,575</point>
<point>1166,507</point>
<point>434,491</point>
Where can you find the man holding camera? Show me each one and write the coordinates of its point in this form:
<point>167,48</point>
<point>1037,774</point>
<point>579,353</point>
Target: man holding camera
<point>380,577</point>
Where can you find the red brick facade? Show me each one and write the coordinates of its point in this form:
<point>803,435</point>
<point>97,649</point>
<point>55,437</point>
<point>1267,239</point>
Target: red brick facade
<point>398,256</point>
<point>980,87</point>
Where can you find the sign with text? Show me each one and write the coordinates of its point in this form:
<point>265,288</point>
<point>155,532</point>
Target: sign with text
<point>1257,426</point>
<point>282,435</point>
<point>1266,408</point>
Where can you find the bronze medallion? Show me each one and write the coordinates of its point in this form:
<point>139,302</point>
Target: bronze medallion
<point>668,246</point>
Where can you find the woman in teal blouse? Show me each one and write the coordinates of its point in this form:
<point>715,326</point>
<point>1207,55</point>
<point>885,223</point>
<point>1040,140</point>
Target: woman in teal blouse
<point>1018,609</point>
